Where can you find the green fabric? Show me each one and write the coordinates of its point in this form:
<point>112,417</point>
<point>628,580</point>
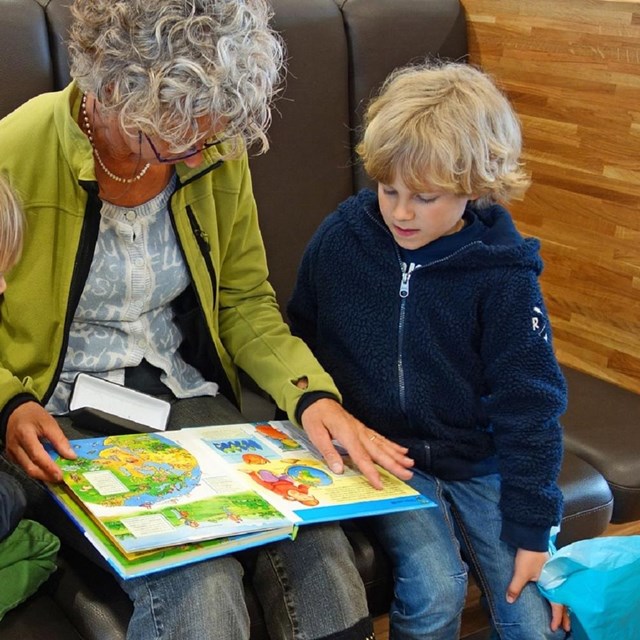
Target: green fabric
<point>50,159</point>
<point>27,559</point>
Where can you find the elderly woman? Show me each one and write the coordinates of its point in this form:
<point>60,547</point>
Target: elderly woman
<point>144,265</point>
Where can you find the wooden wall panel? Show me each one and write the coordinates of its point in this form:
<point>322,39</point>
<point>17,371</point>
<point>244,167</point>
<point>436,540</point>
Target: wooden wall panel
<point>572,71</point>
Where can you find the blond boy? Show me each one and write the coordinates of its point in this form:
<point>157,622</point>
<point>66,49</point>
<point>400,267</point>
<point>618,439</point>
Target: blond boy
<point>422,301</point>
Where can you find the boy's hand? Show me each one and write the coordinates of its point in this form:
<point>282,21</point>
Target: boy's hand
<point>527,568</point>
<point>27,425</point>
<point>325,420</point>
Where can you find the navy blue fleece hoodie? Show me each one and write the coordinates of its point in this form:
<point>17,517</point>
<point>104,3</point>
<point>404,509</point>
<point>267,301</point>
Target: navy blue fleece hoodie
<point>446,349</point>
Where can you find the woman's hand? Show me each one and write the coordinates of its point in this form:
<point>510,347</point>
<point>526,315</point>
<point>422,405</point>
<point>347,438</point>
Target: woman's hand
<point>27,425</point>
<point>325,420</point>
<point>527,568</point>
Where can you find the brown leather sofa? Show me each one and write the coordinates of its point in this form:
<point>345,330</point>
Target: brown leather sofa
<point>338,53</point>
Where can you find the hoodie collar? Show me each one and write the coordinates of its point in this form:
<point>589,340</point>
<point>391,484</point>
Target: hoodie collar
<point>497,240</point>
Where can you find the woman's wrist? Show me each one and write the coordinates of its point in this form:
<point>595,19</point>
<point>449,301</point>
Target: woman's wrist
<point>307,399</point>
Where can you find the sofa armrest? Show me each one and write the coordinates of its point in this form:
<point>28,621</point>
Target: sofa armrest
<point>602,426</point>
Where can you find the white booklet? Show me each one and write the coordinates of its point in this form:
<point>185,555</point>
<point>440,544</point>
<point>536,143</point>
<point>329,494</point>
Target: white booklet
<point>106,407</point>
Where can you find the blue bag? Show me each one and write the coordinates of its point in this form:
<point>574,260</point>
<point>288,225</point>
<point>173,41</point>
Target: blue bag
<point>599,580</point>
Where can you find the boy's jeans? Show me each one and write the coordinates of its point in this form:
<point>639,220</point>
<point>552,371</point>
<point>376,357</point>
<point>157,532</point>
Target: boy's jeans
<point>431,577</point>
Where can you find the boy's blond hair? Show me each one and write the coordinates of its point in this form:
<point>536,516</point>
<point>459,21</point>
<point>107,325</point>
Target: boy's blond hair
<point>445,126</point>
<point>12,226</point>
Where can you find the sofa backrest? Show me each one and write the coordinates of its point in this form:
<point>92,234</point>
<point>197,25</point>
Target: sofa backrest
<point>385,34</point>
<point>339,51</point>
<point>26,67</point>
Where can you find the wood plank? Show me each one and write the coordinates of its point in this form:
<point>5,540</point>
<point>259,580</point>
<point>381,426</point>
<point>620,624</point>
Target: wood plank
<point>572,71</point>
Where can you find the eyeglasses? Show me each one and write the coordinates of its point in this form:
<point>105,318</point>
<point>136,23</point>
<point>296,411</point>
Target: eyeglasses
<point>183,156</point>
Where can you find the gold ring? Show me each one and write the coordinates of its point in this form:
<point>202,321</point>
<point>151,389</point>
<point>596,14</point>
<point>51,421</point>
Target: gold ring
<point>373,437</point>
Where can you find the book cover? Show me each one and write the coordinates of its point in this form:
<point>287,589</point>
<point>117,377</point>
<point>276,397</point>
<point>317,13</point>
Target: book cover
<point>150,491</point>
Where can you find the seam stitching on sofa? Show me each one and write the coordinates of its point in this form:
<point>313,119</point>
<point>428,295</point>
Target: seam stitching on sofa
<point>582,514</point>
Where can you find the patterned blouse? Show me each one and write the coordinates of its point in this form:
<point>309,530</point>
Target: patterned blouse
<point>124,314</point>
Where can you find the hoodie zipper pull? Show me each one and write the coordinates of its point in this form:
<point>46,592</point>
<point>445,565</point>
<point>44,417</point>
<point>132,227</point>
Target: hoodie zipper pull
<point>404,283</point>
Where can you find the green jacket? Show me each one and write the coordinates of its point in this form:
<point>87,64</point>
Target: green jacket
<point>229,316</point>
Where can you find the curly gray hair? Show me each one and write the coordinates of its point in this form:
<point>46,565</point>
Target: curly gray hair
<point>162,64</point>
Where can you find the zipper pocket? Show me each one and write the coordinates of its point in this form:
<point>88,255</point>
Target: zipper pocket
<point>205,248</point>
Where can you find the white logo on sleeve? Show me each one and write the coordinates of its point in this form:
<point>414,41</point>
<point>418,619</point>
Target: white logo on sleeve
<point>539,323</point>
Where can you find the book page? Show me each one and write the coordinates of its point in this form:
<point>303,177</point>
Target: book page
<point>147,491</point>
<point>283,465</point>
<point>153,490</point>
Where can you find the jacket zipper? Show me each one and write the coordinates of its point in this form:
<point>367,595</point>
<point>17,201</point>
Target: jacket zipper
<point>407,271</point>
<point>404,294</point>
<point>205,248</point>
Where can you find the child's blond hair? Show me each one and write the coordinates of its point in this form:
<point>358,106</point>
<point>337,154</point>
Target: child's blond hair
<point>12,226</point>
<point>444,125</point>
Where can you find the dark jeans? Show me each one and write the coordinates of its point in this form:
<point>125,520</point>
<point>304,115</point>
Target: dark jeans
<point>12,504</point>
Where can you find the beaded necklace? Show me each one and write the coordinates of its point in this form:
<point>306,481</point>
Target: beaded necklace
<point>113,176</point>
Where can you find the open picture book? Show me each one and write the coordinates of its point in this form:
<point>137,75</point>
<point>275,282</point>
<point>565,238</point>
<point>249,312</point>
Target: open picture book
<point>150,501</point>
